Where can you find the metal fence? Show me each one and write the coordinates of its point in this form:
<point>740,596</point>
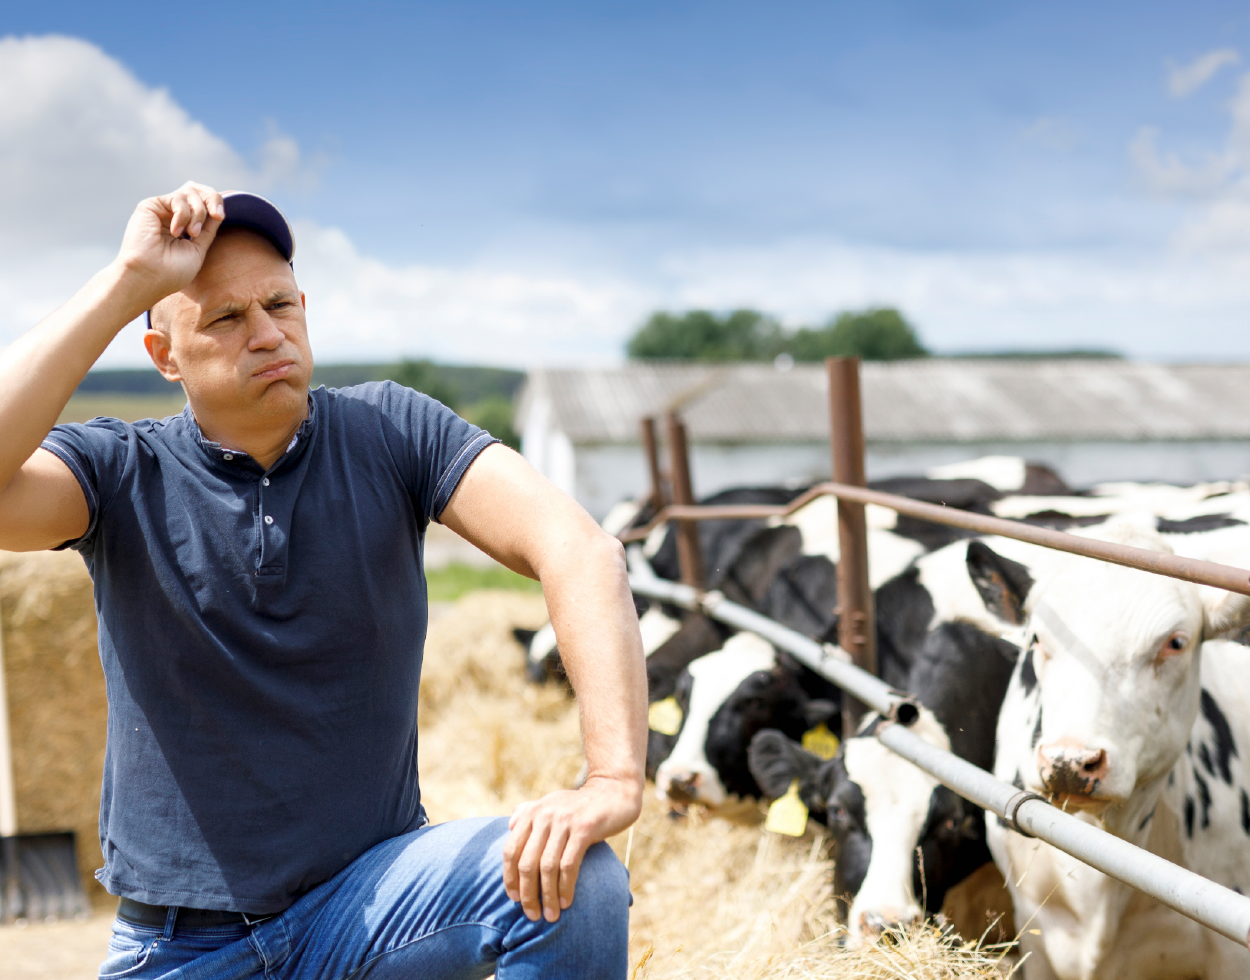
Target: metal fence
<point>852,665</point>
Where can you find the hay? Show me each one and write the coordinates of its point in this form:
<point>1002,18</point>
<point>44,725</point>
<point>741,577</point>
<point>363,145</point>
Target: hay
<point>715,896</point>
<point>57,708</point>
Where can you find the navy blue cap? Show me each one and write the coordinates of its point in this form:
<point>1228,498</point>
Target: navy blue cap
<point>255,213</point>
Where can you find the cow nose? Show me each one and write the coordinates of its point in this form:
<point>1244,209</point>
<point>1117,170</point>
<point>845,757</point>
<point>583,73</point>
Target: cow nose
<point>683,788</point>
<point>875,923</point>
<point>1067,768</point>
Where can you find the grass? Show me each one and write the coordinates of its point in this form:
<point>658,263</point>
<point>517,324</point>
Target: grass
<point>128,408</point>
<point>450,582</point>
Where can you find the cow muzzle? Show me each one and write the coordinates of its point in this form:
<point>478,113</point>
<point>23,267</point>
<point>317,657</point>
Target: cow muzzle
<point>1070,770</point>
<point>682,788</point>
<point>880,923</point>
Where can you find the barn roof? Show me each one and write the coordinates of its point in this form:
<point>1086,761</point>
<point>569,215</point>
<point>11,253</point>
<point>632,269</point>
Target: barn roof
<point>933,400</point>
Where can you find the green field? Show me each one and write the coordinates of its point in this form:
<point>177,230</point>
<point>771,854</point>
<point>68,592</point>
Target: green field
<point>452,581</point>
<point>128,408</point>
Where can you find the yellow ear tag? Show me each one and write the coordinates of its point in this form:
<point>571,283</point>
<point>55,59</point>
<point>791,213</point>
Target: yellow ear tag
<point>664,716</point>
<point>820,741</point>
<point>787,814</point>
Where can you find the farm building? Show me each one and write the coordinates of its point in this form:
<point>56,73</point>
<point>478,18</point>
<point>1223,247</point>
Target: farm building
<point>1091,420</point>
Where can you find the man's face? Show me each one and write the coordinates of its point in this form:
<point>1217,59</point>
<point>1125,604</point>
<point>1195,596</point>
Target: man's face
<point>236,336</point>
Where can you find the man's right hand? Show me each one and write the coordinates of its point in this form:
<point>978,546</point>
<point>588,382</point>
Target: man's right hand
<point>167,239</point>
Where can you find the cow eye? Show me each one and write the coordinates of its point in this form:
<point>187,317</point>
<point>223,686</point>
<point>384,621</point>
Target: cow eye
<point>1178,642</point>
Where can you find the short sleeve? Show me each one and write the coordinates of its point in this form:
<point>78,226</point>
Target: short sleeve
<point>437,448</point>
<point>96,454</point>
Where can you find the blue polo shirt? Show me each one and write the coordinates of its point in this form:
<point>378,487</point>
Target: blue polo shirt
<point>261,633</point>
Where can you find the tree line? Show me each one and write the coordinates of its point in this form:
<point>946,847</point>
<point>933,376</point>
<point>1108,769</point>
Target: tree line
<point>877,334</point>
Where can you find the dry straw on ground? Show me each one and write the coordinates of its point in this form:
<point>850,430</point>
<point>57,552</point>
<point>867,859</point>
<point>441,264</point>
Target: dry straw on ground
<point>715,896</point>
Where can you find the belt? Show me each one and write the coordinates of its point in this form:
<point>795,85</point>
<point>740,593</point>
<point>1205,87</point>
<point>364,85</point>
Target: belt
<point>155,916</point>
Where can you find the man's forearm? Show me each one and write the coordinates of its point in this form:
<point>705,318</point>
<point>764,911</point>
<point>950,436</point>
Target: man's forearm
<point>40,371</point>
<point>588,597</point>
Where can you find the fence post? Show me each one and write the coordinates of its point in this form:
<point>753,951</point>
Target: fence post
<point>857,627</point>
<point>651,449</point>
<point>688,554</point>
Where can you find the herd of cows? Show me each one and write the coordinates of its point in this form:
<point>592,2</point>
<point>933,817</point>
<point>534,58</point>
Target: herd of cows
<point>1119,695</point>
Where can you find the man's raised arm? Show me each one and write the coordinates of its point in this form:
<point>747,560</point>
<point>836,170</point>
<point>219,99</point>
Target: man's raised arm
<point>509,511</point>
<point>166,239</point>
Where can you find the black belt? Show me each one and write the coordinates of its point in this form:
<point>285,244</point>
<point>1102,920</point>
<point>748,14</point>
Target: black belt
<point>155,916</point>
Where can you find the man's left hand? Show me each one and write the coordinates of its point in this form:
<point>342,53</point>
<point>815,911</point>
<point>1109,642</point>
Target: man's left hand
<point>550,837</point>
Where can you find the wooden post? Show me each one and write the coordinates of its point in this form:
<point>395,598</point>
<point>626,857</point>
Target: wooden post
<point>652,450</point>
<point>688,554</point>
<point>857,627</point>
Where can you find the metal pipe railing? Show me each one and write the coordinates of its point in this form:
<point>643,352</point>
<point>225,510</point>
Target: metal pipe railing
<point>1214,906</point>
<point>1161,563</point>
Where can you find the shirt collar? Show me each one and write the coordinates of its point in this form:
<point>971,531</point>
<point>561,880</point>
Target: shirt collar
<point>229,457</point>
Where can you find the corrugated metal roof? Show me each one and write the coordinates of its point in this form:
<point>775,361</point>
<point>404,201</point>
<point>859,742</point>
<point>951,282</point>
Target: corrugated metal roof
<point>938,400</point>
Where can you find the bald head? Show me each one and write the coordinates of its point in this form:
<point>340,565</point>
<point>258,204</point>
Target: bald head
<point>235,253</point>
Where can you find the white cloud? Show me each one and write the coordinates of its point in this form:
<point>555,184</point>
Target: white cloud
<point>362,309</point>
<point>1185,80</point>
<point>1051,133</point>
<point>1218,186</point>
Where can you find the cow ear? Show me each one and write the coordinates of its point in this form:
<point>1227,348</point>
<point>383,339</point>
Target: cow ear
<point>1002,583</point>
<point>776,762</point>
<point>1226,614</point>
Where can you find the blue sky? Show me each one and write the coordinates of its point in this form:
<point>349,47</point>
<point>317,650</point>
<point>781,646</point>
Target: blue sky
<point>522,183</point>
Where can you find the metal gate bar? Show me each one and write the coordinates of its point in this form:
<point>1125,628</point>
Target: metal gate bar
<point>1204,901</point>
<point>1160,563</point>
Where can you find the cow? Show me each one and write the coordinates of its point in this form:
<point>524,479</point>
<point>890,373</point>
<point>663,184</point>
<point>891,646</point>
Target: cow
<point>913,592</point>
<point>1128,708</point>
<point>883,811</point>
<point>726,697</point>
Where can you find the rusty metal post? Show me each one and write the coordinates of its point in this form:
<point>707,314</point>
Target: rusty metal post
<point>651,449</point>
<point>857,626</point>
<point>689,555</point>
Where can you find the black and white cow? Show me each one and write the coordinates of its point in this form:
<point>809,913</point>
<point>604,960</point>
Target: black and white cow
<point>883,812</point>
<point>801,593</point>
<point>1127,708</point>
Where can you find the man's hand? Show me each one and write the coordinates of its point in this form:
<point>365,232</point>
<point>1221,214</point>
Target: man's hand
<point>549,838</point>
<point>168,237</point>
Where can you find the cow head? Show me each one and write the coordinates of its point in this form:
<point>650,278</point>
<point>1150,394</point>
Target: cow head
<point>901,839</point>
<point>734,693</point>
<point>686,775</point>
<point>1108,684</point>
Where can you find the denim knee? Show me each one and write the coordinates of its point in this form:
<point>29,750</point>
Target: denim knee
<point>603,882</point>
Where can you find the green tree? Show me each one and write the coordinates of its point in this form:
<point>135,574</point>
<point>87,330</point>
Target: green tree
<point>875,335</point>
<point>495,416</point>
<point>426,377</point>
<point>743,335</point>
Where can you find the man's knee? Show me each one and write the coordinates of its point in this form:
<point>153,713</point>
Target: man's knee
<point>603,882</point>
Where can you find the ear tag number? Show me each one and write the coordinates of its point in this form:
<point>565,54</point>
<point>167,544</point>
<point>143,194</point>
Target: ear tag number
<point>787,814</point>
<point>820,741</point>
<point>664,716</point>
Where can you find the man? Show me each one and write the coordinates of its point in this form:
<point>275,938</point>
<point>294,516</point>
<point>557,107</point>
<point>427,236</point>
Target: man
<point>261,601</point>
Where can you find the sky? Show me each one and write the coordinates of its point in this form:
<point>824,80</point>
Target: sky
<point>522,184</point>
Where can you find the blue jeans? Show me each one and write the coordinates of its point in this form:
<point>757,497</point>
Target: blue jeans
<point>429,905</point>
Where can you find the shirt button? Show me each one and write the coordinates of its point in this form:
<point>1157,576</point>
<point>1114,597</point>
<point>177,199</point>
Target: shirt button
<point>228,457</point>
<point>265,482</point>
<point>268,518</point>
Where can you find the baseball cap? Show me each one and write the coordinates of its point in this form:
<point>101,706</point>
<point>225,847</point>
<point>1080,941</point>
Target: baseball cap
<point>255,213</point>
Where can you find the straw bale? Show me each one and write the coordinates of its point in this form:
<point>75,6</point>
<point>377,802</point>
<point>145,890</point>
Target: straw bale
<point>57,707</point>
